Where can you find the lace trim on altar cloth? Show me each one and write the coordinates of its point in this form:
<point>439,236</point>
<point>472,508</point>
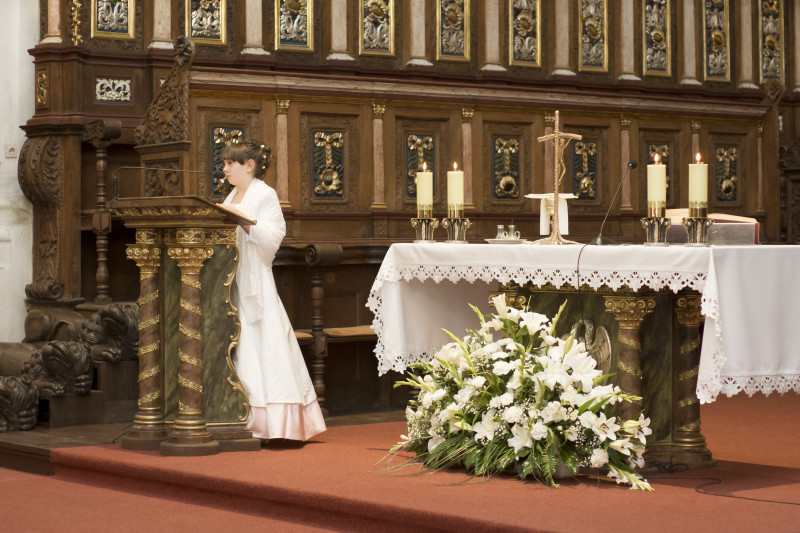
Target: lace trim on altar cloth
<point>764,384</point>
<point>613,279</point>
<point>709,384</point>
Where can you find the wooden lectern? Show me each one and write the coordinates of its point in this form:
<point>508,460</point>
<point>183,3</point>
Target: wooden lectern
<point>191,402</point>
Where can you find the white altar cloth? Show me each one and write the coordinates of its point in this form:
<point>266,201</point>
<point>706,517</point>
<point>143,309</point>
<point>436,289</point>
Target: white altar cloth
<point>751,341</point>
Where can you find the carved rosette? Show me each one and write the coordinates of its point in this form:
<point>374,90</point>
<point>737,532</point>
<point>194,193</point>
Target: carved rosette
<point>167,116</point>
<point>771,40</point>
<point>716,40</point>
<point>377,35</point>
<point>656,38</point>
<point>629,312</point>
<point>524,33</point>
<point>452,30</point>
<point>593,31</point>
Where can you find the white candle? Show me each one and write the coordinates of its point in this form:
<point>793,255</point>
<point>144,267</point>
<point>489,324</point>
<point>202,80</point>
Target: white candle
<point>424,181</point>
<point>455,188</point>
<point>698,184</point>
<point>656,185</point>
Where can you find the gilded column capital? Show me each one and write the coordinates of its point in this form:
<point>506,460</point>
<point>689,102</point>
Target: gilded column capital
<point>550,119</point>
<point>378,110</point>
<point>148,236</point>
<point>624,123</point>
<point>630,310</point>
<point>687,309</point>
<point>282,105</point>
<point>190,259</point>
<point>147,258</point>
<point>696,126</point>
<point>467,113</point>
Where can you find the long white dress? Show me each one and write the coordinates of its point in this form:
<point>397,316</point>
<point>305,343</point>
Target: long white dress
<point>268,359</point>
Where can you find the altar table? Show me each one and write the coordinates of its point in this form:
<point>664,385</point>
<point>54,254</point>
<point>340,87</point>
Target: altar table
<point>750,299</point>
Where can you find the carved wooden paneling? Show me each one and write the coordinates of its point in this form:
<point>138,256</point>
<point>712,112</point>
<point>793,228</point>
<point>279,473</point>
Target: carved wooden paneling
<point>113,19</point>
<point>728,173</point>
<point>593,35</point>
<point>377,27</point>
<point>665,143</point>
<point>206,21</point>
<point>587,167</point>
<point>439,132</point>
<point>452,30</point>
<point>656,37</point>
<point>348,170</point>
<point>524,33</point>
<point>716,40</point>
<point>294,25</point>
<point>771,39</point>
<point>507,168</point>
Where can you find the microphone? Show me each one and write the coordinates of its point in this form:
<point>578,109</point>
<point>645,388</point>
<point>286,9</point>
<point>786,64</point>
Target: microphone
<point>217,175</point>
<point>600,240</point>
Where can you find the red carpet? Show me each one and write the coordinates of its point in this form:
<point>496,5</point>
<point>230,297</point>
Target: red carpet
<point>337,483</point>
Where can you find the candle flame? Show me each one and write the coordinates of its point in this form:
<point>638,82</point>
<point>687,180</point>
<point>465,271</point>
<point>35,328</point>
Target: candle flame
<point>424,166</point>
<point>455,166</point>
<point>655,158</point>
<point>697,157</point>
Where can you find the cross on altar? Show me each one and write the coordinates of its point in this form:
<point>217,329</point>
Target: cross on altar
<point>560,141</point>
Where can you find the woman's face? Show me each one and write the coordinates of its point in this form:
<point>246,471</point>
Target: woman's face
<point>238,174</point>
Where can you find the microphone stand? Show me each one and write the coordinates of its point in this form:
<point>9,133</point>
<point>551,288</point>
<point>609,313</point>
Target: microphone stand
<point>600,240</point>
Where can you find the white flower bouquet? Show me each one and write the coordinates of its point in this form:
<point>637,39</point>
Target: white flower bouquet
<point>526,402</point>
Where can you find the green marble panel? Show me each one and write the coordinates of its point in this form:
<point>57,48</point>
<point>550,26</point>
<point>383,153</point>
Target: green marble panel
<point>221,403</point>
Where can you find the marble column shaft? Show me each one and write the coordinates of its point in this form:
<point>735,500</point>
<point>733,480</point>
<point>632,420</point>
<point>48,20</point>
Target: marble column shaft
<point>563,45</point>
<point>254,34</point>
<point>689,44</point>
<point>53,34</point>
<point>629,312</point>
<point>282,152</point>
<point>626,39</point>
<point>378,195</point>
<point>744,41</point>
<point>493,35</point>
<point>625,157</point>
<point>162,25</point>
<point>418,52</point>
<point>466,154</point>
<point>338,31</point>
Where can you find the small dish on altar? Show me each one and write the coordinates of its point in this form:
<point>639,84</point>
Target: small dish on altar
<point>506,241</point>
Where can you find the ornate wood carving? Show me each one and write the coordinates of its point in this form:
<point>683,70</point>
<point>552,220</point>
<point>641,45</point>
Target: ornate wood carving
<point>167,116</point>
<point>19,404</point>
<point>716,41</point>
<point>41,171</point>
<point>508,167</point>
<point>439,131</point>
<point>349,127</point>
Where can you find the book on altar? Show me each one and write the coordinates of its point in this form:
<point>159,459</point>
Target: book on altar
<point>726,229</point>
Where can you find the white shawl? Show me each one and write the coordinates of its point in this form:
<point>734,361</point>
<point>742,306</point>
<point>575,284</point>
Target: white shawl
<point>257,249</point>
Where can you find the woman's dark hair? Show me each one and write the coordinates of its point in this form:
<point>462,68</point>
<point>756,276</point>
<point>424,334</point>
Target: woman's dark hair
<point>243,152</point>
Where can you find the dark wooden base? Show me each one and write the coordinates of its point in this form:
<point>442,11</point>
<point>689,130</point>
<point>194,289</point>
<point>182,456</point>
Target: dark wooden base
<point>235,439</point>
<point>74,410</point>
<point>144,438</point>
<point>189,447</point>
<point>675,454</point>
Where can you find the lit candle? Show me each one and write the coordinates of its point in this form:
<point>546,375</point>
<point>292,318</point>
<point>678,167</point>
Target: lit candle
<point>698,189</point>
<point>424,181</point>
<point>455,193</point>
<point>656,188</point>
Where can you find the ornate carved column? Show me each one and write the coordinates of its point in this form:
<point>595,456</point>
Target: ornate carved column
<point>189,434</point>
<point>563,44</point>
<point>53,35</point>
<point>253,19</point>
<point>629,312</point>
<point>493,37</point>
<point>744,45</point>
<point>549,124</point>
<point>466,154</point>
<point>100,133</point>
<point>625,157</point>
<point>626,37</point>
<point>689,44</point>
<point>148,428</point>
<point>338,29</point>
<point>162,25</point>
<point>282,151</point>
<point>379,196</point>
<point>686,430</point>
<point>418,52</point>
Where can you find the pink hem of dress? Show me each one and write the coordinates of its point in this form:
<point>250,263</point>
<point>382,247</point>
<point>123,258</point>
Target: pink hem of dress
<point>286,421</point>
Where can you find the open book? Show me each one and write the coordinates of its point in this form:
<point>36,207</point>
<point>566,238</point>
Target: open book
<point>676,216</point>
<point>241,217</point>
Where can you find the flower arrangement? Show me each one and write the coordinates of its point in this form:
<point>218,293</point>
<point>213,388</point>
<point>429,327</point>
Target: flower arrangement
<point>528,402</point>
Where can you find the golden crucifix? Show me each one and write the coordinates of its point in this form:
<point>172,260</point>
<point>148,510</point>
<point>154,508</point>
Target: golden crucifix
<point>560,141</point>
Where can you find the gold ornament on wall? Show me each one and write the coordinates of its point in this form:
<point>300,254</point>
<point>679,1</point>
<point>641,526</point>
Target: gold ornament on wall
<point>294,25</point>
<point>113,19</point>
<point>377,28</point>
<point>656,38</point>
<point>593,36</point>
<point>524,33</point>
<point>206,21</point>
<point>771,39</point>
<point>452,30</point>
<point>716,42</point>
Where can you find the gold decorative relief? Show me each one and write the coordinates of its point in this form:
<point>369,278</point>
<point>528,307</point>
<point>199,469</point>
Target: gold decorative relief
<point>656,38</point>
<point>506,168</point>
<point>524,33</point>
<point>328,164</point>
<point>41,88</point>
<point>770,33</point>
<point>377,27</point>
<point>584,168</point>
<point>75,36</point>
<point>294,25</point>
<point>727,180</point>
<point>206,21</point>
<point>113,19</point>
<point>452,30</point>
<point>716,42</point>
<point>593,36</point>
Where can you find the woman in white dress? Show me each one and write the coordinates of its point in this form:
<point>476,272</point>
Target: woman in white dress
<point>283,404</point>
